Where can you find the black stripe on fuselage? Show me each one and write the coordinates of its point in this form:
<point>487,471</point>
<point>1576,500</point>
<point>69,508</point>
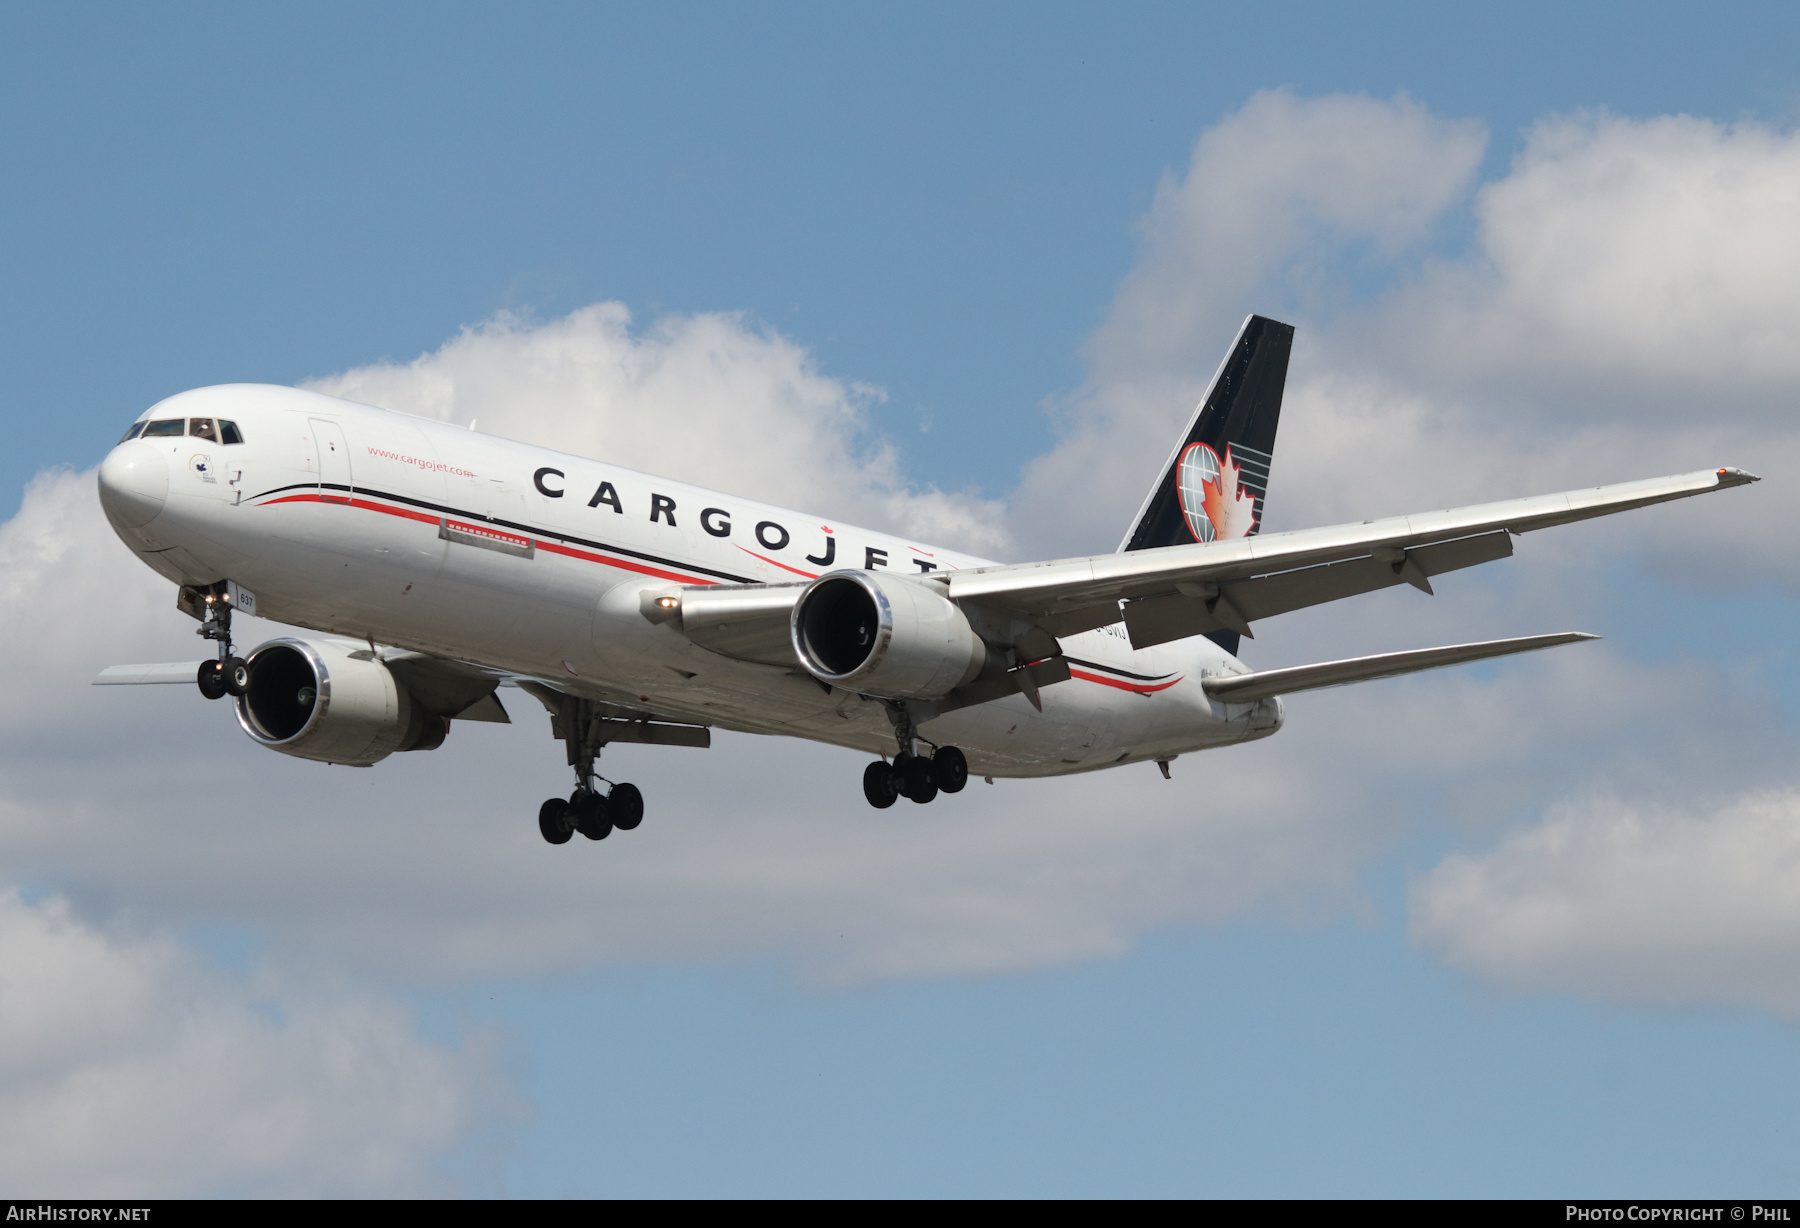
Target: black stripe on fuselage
<point>1122,673</point>
<point>446,510</point>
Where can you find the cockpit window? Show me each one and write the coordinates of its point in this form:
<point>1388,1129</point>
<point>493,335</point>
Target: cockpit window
<point>228,432</point>
<point>133,432</point>
<point>202,428</point>
<point>167,426</point>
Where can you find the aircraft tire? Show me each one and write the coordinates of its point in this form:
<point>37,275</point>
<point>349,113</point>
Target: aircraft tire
<point>626,802</point>
<point>237,676</point>
<point>880,785</point>
<point>917,781</point>
<point>211,678</point>
<point>555,821</point>
<point>592,818</point>
<point>950,769</point>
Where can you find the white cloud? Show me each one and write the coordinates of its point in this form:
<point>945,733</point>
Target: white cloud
<point>1640,903</point>
<point>1627,309</point>
<point>128,1066</point>
<point>1270,198</point>
<point>1633,252</point>
<point>704,398</point>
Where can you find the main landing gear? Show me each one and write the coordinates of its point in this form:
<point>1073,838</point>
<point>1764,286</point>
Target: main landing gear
<point>911,775</point>
<point>592,813</point>
<point>228,675</point>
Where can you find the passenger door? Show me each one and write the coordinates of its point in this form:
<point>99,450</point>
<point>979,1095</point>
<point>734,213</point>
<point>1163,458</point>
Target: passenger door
<point>334,461</point>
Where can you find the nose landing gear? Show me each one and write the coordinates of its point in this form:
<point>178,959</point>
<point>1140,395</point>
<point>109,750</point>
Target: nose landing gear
<point>213,606</point>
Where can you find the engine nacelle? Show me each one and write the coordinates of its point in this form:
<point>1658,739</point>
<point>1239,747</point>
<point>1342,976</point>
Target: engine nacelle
<point>332,702</point>
<point>885,635</point>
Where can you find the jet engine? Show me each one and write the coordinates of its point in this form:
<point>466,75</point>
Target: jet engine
<point>332,702</point>
<point>885,635</point>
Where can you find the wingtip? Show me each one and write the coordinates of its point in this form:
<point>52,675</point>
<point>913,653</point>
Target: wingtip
<point>1729,476</point>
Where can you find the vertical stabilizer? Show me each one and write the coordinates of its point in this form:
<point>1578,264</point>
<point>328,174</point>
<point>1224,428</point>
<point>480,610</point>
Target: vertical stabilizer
<point>1212,486</point>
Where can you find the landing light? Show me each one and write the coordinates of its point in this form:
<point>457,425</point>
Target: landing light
<point>667,603</point>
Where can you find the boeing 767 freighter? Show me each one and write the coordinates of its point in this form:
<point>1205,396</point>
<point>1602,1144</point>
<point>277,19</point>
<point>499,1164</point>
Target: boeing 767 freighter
<point>438,564</point>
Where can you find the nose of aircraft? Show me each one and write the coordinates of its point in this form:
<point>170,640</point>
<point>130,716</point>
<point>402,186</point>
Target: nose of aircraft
<point>134,484</point>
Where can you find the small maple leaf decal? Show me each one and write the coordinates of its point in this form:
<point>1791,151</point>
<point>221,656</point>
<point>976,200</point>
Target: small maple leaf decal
<point>1229,505</point>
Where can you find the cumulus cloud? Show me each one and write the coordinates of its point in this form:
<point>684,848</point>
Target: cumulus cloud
<point>1639,903</point>
<point>1628,252</point>
<point>1627,309</point>
<point>1271,196</point>
<point>704,398</point>
<point>129,1067</point>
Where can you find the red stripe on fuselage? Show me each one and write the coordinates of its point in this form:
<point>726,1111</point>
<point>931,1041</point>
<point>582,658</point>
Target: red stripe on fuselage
<point>552,547</point>
<point>1137,688</point>
<point>810,575</point>
<point>625,564</point>
<point>345,501</point>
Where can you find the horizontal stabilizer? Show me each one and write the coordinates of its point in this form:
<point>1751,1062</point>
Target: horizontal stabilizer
<point>1247,688</point>
<point>166,674</point>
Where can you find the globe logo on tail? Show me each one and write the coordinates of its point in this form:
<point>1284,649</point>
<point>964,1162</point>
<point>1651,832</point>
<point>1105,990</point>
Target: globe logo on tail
<point>1218,506</point>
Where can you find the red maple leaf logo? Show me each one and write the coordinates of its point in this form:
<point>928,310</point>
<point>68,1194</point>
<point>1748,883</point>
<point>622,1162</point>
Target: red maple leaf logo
<point>1229,505</point>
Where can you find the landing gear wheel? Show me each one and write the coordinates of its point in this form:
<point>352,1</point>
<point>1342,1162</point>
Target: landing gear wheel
<point>627,805</point>
<point>879,785</point>
<point>237,676</point>
<point>211,679</point>
<point>556,821</point>
<point>950,769</point>
<point>592,817</point>
<point>917,783</point>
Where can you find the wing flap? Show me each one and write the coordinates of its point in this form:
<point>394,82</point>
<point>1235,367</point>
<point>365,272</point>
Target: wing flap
<point>1263,684</point>
<point>1157,620</point>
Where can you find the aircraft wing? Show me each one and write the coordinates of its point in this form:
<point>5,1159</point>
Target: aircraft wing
<point>1172,592</point>
<point>168,673</point>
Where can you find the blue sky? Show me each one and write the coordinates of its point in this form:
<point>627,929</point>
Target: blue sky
<point>1005,237</point>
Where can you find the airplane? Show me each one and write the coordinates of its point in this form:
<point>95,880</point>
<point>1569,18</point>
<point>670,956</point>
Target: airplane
<point>438,565</point>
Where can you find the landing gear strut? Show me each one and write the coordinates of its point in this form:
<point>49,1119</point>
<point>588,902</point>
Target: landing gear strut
<point>911,775</point>
<point>228,675</point>
<point>589,811</point>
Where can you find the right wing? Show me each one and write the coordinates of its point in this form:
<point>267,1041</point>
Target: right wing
<point>166,674</point>
<point>1172,592</point>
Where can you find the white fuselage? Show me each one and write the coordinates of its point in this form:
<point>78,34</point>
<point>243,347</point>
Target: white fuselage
<point>367,523</point>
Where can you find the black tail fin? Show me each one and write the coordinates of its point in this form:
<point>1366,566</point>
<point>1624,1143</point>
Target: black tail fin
<point>1213,484</point>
